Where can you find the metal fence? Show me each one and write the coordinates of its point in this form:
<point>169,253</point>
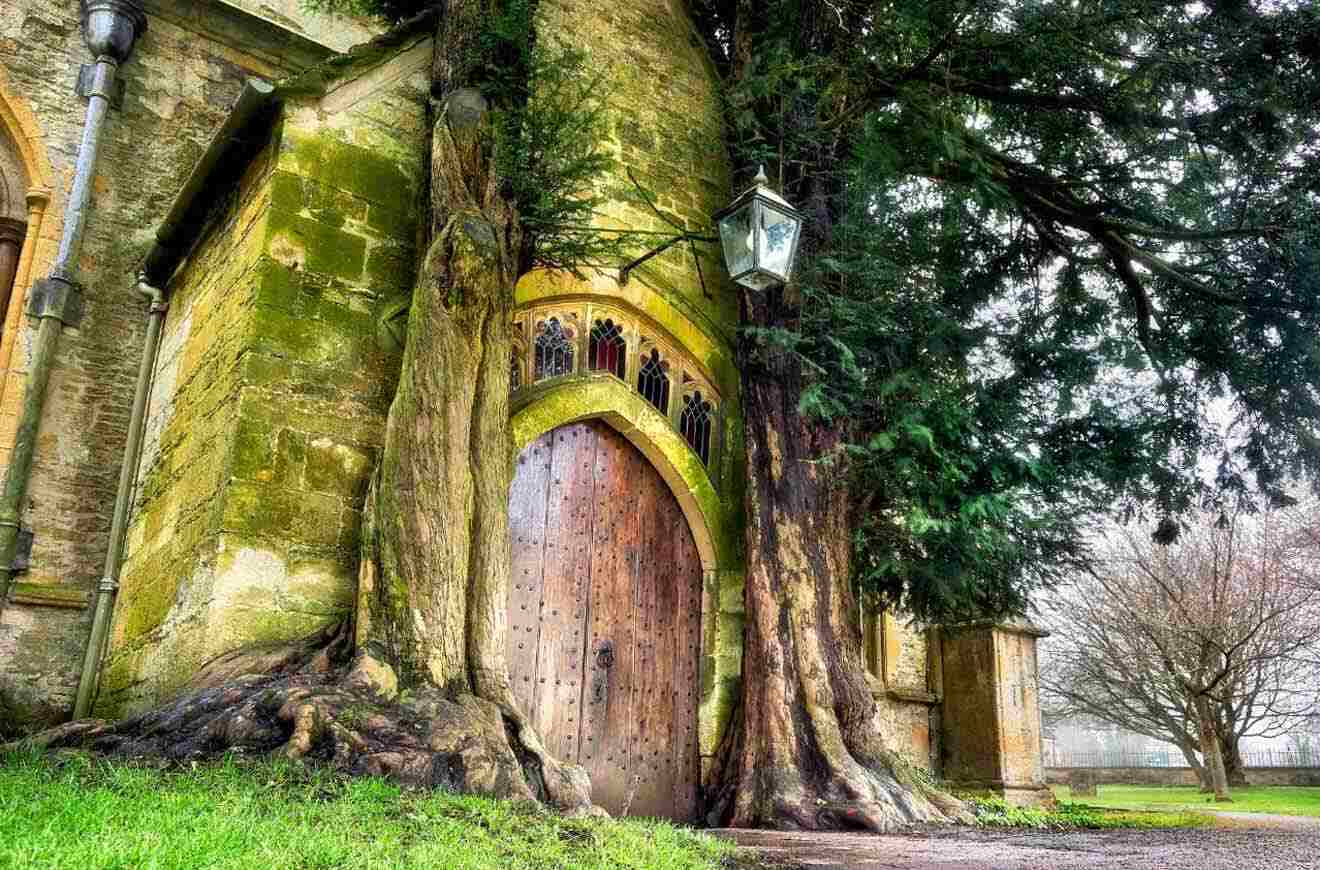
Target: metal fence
<point>1255,758</point>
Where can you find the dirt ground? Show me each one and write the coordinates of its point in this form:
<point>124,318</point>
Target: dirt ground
<point>1262,843</point>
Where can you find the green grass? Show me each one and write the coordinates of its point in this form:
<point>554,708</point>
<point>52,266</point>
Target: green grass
<point>996,813</point>
<point>1284,800</point>
<point>90,813</point>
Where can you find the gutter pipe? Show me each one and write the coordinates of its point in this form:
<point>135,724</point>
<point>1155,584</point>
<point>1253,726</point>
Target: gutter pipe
<point>110,29</point>
<point>109,585</point>
<point>175,237</point>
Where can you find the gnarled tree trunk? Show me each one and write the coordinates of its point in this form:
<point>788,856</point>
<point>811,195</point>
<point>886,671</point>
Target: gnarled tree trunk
<point>430,616</point>
<point>803,751</point>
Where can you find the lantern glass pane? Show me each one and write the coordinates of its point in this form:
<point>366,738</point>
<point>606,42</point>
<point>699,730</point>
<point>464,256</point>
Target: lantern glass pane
<point>736,236</point>
<point>777,239</point>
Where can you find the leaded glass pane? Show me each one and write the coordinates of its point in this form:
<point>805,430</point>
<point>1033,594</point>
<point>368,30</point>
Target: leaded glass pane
<point>653,381</point>
<point>554,350</point>
<point>695,424</point>
<point>606,347</point>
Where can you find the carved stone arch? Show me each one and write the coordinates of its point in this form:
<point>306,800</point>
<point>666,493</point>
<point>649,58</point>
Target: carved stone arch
<point>28,182</point>
<point>21,136</point>
<point>632,416</point>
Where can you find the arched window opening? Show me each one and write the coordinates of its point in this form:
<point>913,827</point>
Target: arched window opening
<point>515,370</point>
<point>606,349</point>
<point>11,246</point>
<point>653,381</point>
<point>695,424</point>
<point>13,212</point>
<point>554,349</point>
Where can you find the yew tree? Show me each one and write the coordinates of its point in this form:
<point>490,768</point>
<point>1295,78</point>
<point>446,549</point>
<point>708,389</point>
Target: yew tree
<point>1056,254</point>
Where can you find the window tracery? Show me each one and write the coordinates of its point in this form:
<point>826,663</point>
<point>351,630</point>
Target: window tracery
<point>653,380</point>
<point>554,349</point>
<point>607,348</point>
<point>549,341</point>
<point>696,423</point>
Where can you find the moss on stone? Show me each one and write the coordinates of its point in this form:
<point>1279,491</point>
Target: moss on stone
<point>318,247</point>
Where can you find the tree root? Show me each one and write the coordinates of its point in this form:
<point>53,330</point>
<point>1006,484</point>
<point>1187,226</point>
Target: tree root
<point>351,719</point>
<point>821,791</point>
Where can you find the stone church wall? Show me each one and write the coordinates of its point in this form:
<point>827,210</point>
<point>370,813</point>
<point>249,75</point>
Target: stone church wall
<point>272,389</point>
<point>185,73</point>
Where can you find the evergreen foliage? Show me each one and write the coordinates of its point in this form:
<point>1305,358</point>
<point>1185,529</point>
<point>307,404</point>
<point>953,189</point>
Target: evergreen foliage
<point>1057,255</point>
<point>548,127</point>
<point>1050,245</point>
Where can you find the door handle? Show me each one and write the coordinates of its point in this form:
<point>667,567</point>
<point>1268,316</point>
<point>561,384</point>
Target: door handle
<point>605,655</point>
<point>600,681</point>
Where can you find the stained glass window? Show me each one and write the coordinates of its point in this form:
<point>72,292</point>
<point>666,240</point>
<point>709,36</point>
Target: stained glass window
<point>515,371</point>
<point>695,424</point>
<point>653,381</point>
<point>605,348</point>
<point>554,349</point>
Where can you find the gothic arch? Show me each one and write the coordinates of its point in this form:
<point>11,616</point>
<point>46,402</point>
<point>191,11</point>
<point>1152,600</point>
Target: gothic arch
<point>21,137</point>
<point>28,181</point>
<point>608,399</point>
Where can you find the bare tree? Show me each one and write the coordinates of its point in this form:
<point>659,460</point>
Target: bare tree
<point>1200,643</point>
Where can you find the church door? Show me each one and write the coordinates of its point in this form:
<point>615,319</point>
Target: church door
<point>604,618</point>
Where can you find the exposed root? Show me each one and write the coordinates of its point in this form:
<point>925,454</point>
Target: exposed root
<point>830,792</point>
<point>350,719</point>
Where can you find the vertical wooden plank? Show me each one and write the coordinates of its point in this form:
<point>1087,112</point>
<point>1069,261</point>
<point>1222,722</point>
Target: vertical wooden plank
<point>607,705</point>
<point>563,602</point>
<point>527,533</point>
<point>658,745</point>
<point>687,657</point>
<point>641,598</point>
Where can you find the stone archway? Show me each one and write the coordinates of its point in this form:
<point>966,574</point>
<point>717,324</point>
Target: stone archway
<point>605,618</point>
<point>23,216</point>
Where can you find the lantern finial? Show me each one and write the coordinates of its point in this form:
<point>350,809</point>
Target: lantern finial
<point>760,175</point>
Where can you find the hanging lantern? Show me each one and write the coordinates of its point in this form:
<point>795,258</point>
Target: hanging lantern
<point>759,233</point>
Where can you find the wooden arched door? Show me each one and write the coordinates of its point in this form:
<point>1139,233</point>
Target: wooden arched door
<point>604,618</point>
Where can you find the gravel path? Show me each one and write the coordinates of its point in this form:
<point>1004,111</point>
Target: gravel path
<point>1236,847</point>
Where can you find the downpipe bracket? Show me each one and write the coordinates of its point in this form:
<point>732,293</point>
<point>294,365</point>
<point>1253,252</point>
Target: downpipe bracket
<point>57,297</point>
<point>88,87</point>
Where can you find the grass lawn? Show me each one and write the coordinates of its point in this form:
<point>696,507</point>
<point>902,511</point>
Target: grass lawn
<point>1285,800</point>
<point>994,812</point>
<point>84,812</point>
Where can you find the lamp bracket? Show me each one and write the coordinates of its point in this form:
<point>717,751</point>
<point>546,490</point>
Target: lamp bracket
<point>660,249</point>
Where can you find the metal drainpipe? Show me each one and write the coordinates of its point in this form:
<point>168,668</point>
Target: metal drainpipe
<point>110,29</point>
<point>109,586</point>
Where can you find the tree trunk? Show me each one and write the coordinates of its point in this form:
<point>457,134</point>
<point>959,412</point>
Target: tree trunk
<point>1189,750</point>
<point>1214,761</point>
<point>803,751</point>
<point>433,582</point>
<point>1230,749</point>
<point>430,616</point>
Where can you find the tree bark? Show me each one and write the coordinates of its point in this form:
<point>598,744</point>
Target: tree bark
<point>1189,750</point>
<point>1235,770</point>
<point>1214,761</point>
<point>435,567</point>
<point>803,752</point>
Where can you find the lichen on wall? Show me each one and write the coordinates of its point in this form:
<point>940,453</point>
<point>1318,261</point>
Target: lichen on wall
<point>271,392</point>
